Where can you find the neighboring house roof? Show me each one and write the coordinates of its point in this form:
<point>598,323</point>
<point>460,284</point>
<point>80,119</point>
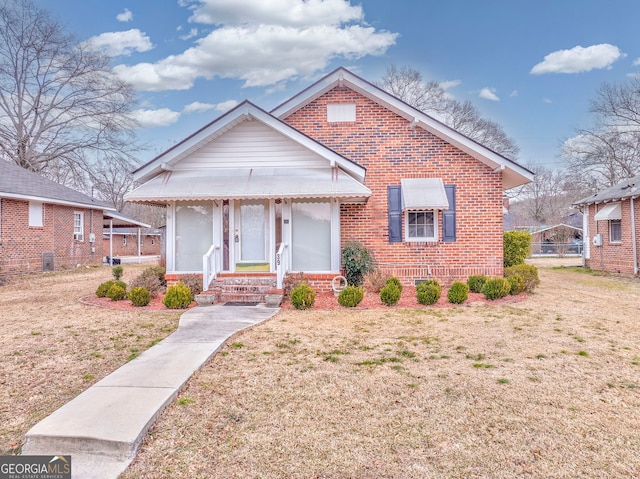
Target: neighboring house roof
<point>561,225</point>
<point>244,111</point>
<point>513,174</point>
<point>21,184</point>
<point>624,190</point>
<point>133,231</point>
<point>115,218</point>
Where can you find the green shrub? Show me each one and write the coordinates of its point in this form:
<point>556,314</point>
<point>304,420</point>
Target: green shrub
<point>476,282</point>
<point>395,281</point>
<point>357,262</point>
<point>178,296</point>
<point>517,284</point>
<point>390,294</point>
<point>117,271</point>
<point>116,292</point>
<point>351,296</point>
<point>193,282</point>
<point>303,296</point>
<point>101,291</point>
<point>139,296</point>
<point>458,292</point>
<point>529,274</point>
<point>428,292</point>
<point>517,246</point>
<point>496,288</point>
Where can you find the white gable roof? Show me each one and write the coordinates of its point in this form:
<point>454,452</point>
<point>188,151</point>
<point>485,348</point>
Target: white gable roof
<point>513,174</point>
<point>246,111</point>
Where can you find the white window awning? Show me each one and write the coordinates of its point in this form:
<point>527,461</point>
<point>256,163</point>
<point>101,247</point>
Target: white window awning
<point>612,211</point>
<point>423,194</point>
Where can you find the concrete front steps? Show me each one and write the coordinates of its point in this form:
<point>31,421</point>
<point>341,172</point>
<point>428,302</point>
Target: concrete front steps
<point>236,288</point>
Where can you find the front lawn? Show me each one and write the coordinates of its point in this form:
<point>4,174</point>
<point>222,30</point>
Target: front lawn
<point>548,387</point>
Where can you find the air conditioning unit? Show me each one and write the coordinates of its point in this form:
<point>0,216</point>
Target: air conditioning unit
<point>597,240</point>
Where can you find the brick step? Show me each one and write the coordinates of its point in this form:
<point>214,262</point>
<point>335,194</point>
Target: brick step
<point>244,288</point>
<point>241,298</point>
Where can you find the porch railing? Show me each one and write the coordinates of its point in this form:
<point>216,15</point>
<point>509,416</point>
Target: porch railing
<point>282,264</point>
<point>209,266</point>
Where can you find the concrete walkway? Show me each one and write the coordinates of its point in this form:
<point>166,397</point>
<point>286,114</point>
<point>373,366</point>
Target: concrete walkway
<point>103,427</point>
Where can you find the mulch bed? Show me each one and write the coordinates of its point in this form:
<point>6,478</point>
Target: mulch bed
<point>156,304</point>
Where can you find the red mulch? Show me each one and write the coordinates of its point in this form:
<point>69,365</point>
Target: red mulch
<point>125,305</point>
<point>327,301</point>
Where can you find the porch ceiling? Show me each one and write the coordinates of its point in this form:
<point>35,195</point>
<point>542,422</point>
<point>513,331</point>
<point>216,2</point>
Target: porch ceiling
<point>250,183</point>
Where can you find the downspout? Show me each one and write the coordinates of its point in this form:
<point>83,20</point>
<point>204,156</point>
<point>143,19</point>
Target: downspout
<point>633,239</point>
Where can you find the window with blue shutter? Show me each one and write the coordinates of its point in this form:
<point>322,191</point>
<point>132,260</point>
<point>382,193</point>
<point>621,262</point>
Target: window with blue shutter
<point>395,213</point>
<point>449,216</point>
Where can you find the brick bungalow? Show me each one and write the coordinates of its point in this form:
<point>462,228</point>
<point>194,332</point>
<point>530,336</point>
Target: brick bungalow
<point>131,241</point>
<point>258,193</point>
<point>45,226</point>
<point>611,226</point>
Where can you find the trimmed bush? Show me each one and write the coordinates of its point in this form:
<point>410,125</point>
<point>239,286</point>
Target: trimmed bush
<point>117,271</point>
<point>458,292</point>
<point>139,296</point>
<point>529,274</point>
<point>428,292</point>
<point>517,246</point>
<point>395,281</point>
<point>357,262</point>
<point>116,292</point>
<point>496,288</point>
<point>476,282</point>
<point>390,294</point>
<point>101,291</point>
<point>193,282</point>
<point>517,284</point>
<point>351,296</point>
<point>303,296</point>
<point>178,296</point>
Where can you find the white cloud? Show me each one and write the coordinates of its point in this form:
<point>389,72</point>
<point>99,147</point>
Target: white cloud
<point>513,93</point>
<point>159,117</point>
<point>489,94</point>
<point>448,84</point>
<point>264,43</point>
<point>121,43</point>
<point>579,59</point>
<point>125,16</point>
<point>296,13</point>
<point>260,55</point>
<point>547,100</point>
<point>197,107</point>
<point>192,33</point>
<point>636,62</point>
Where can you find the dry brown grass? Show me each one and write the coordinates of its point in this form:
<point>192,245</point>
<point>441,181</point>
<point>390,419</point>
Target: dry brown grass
<point>52,347</point>
<point>549,387</point>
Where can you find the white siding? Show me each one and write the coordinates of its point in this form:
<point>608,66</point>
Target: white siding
<point>251,144</point>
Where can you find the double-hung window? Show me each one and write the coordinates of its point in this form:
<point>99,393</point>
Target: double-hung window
<point>615,231</point>
<point>421,225</point>
<point>78,225</point>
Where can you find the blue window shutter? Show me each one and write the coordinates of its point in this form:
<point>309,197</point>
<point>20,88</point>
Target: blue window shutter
<point>395,213</point>
<point>449,216</point>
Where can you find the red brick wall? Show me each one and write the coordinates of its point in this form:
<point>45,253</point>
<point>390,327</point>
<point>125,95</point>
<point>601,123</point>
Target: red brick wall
<point>613,257</point>
<point>131,248</point>
<point>390,149</point>
<point>21,246</point>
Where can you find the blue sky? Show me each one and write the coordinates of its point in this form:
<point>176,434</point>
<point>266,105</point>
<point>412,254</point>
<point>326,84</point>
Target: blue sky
<point>531,65</point>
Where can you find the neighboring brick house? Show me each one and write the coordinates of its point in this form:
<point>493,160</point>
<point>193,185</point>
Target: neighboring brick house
<point>282,192</point>
<point>611,227</point>
<point>44,225</point>
<point>125,241</point>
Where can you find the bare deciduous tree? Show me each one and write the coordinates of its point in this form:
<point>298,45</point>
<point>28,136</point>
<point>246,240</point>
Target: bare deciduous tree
<point>59,101</point>
<point>407,84</point>
<point>609,151</point>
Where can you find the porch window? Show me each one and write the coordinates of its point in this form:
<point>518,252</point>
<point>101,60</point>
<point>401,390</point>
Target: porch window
<point>615,231</point>
<point>193,233</point>
<point>311,236</point>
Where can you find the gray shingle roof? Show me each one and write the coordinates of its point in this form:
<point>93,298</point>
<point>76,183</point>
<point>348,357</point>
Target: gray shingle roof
<point>624,189</point>
<point>16,182</point>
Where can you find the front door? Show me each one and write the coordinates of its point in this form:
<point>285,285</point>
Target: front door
<point>252,235</point>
